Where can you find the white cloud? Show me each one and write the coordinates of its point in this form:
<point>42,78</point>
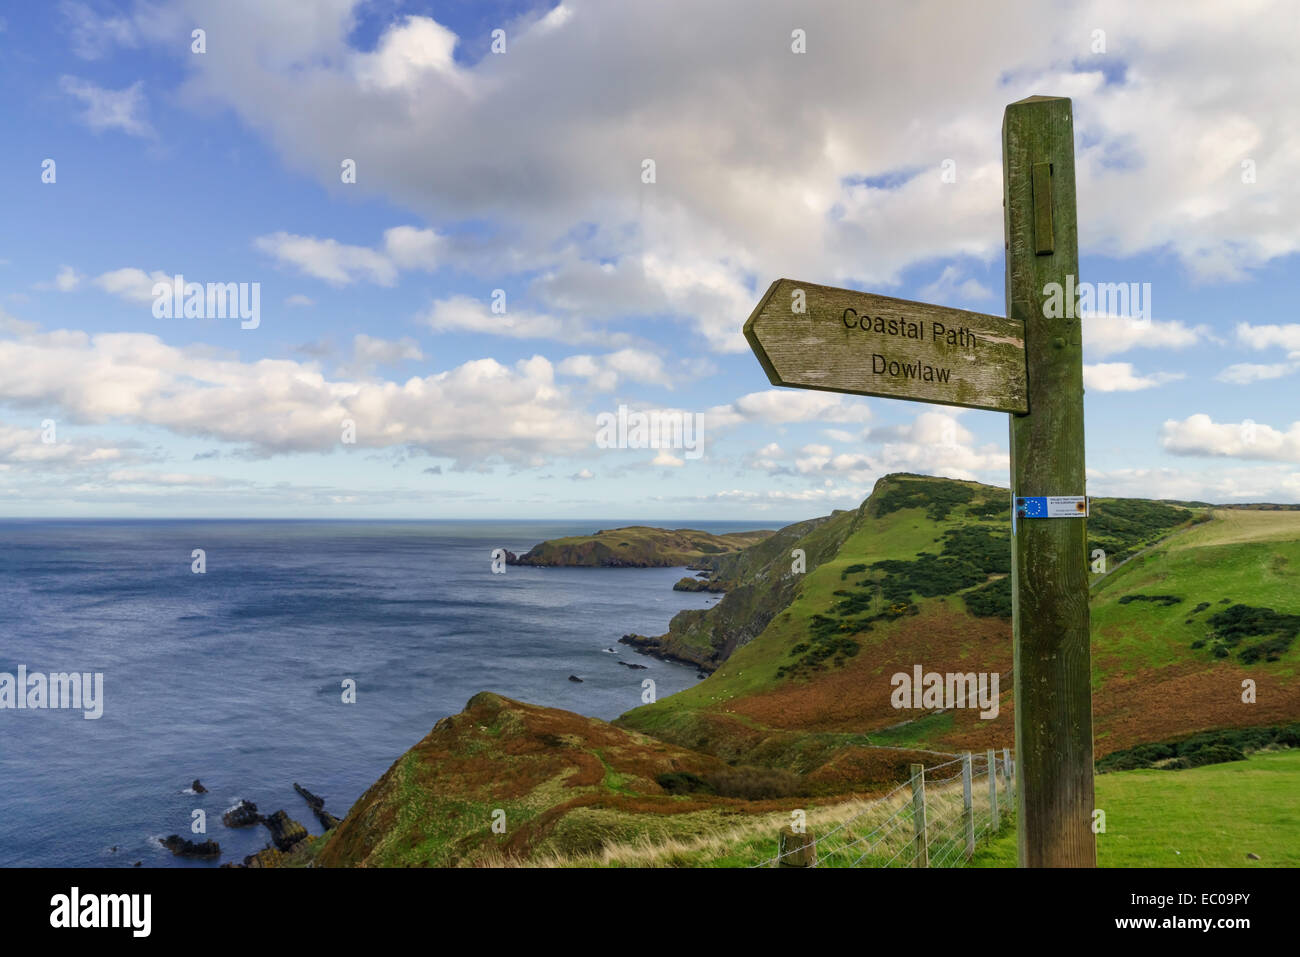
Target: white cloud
<point>131,284</point>
<point>67,279</point>
<point>783,406</point>
<point>110,109</point>
<point>1121,377</point>
<point>1270,336</point>
<point>1110,335</point>
<point>604,373</point>
<point>1200,435</point>
<point>665,458</point>
<point>950,287</point>
<point>1244,373</point>
<point>24,448</point>
<point>92,34</point>
<point>334,262</point>
<point>478,412</point>
<point>298,299</point>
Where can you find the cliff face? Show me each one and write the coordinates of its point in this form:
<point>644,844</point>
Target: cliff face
<point>638,546</point>
<point>761,581</point>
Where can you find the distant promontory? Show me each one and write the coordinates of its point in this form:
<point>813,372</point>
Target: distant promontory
<point>639,546</point>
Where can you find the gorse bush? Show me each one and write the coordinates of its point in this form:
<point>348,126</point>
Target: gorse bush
<point>990,601</point>
<point>1208,747</point>
<point>746,782</point>
<point>1236,624</point>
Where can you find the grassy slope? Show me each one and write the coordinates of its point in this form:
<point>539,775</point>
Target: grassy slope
<point>1149,684</point>
<point>1205,817</point>
<point>639,546</point>
<point>568,785</point>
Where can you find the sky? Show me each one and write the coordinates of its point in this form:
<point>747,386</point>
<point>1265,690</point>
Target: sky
<point>476,228</point>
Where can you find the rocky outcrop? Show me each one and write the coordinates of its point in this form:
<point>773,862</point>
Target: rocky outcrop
<point>285,831</point>
<point>197,787</point>
<point>184,848</point>
<point>698,584</point>
<point>243,814</point>
<point>317,805</point>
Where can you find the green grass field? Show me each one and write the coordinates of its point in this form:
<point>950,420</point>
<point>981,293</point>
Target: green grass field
<point>1205,817</point>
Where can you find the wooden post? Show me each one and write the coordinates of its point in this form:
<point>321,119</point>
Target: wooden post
<point>994,820</point>
<point>795,849</point>
<point>968,806</point>
<point>1049,579</point>
<point>918,816</point>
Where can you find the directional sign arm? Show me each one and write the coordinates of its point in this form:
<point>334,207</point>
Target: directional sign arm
<point>809,336</point>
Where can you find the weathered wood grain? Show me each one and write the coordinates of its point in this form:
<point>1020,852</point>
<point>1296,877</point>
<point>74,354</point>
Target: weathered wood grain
<point>1049,581</point>
<point>955,358</point>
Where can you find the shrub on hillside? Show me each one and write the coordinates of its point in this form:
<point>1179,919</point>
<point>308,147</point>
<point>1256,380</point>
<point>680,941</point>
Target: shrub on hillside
<point>1232,626</point>
<point>1207,747</point>
<point>754,784</point>
<point>683,782</point>
<point>1214,754</point>
<point>992,600</point>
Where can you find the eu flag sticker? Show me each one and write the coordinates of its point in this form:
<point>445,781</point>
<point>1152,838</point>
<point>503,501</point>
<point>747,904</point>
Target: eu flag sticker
<point>1051,506</point>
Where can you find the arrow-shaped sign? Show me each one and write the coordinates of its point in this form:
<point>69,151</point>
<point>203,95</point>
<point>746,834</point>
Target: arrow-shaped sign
<point>838,340</point>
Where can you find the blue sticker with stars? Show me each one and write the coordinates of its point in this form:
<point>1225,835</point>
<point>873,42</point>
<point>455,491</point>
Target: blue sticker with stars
<point>1051,506</point>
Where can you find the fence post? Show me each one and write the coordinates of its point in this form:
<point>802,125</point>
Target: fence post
<point>796,849</point>
<point>1007,777</point>
<point>993,791</point>
<point>918,815</point>
<point>968,807</point>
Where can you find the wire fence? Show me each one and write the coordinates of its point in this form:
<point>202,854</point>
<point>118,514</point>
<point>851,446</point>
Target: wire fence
<point>934,819</point>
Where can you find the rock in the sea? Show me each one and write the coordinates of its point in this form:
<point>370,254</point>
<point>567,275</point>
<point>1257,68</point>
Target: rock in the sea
<point>575,678</point>
<point>701,675</point>
<point>317,804</point>
<point>628,664</point>
<point>183,848</point>
<point>698,584</point>
<point>243,814</point>
<point>137,864</point>
<point>285,831</point>
<point>197,787</point>
<point>327,820</point>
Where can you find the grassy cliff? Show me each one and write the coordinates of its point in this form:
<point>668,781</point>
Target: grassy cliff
<point>638,546</point>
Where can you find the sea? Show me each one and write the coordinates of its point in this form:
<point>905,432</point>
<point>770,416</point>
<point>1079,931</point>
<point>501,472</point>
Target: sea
<point>237,676</point>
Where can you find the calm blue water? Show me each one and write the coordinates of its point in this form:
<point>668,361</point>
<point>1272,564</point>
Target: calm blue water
<point>233,676</point>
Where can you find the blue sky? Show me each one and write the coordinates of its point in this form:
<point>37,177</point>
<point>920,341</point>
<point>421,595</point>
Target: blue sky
<point>522,171</point>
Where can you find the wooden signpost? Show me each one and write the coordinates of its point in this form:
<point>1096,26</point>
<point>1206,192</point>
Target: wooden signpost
<point>1030,366</point>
